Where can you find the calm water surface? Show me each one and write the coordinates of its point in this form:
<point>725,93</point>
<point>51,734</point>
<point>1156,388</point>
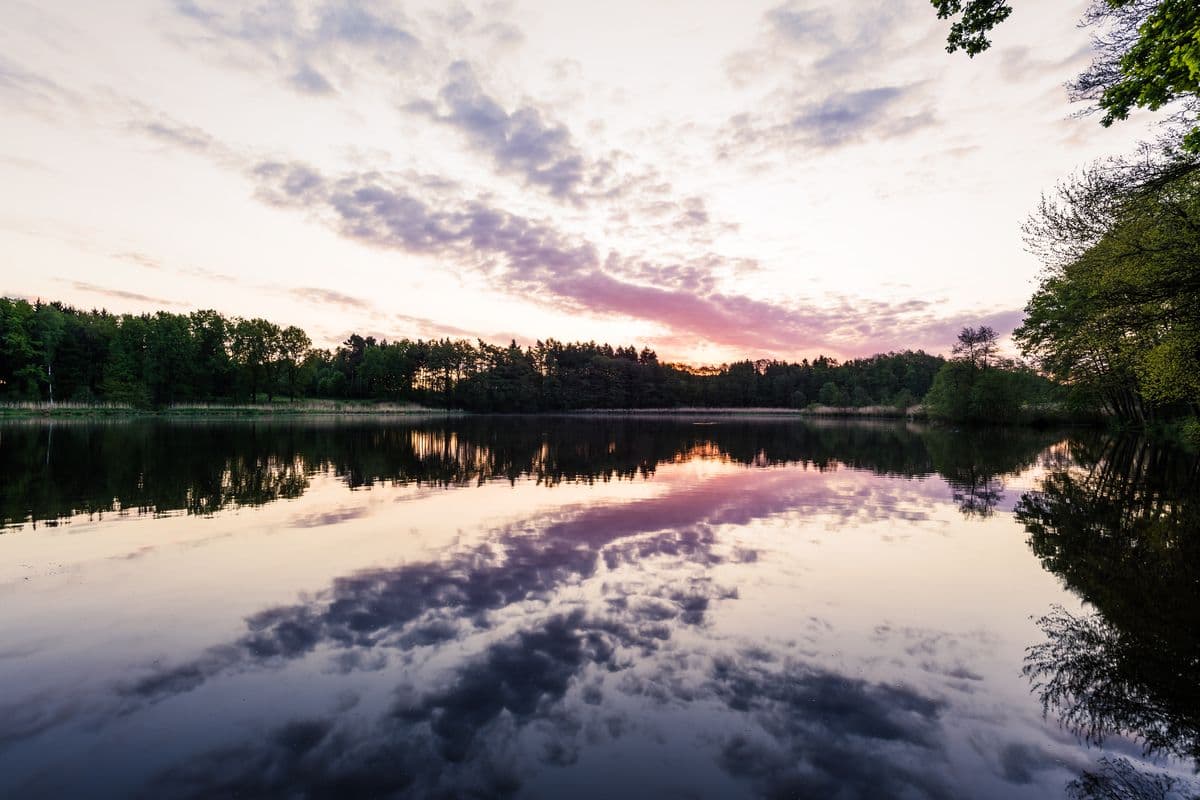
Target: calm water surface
<point>542,608</point>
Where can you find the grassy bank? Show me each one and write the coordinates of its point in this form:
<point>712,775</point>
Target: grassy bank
<point>1030,414</point>
<point>686,411</point>
<point>1042,415</point>
<point>282,408</point>
<point>43,409</point>
<point>867,411</point>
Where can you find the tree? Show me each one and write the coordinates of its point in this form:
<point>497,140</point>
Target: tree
<point>1117,313</point>
<point>830,394</point>
<point>48,328</point>
<point>976,19</point>
<point>124,374</point>
<point>293,345</point>
<point>254,344</point>
<point>903,399</point>
<point>950,396</point>
<point>170,358</point>
<point>19,372</point>
<point>976,346</point>
<point>1147,55</point>
<point>977,387</point>
<point>214,370</point>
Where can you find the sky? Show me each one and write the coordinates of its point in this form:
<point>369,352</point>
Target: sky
<point>715,180</point>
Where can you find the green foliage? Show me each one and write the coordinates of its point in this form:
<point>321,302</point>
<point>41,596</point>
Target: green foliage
<point>1168,371</point>
<point>1117,314</point>
<point>153,360</point>
<point>903,399</point>
<point>1161,65</point>
<point>18,358</point>
<point>950,398</point>
<point>977,18</point>
<point>978,388</point>
<point>1190,433</point>
<point>1147,54</point>
<point>830,395</point>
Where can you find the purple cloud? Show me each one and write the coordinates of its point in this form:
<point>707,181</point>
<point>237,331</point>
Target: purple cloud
<point>335,37</point>
<point>532,258</point>
<point>522,142</point>
<point>835,120</point>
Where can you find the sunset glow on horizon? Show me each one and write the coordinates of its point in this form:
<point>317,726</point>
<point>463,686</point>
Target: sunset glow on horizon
<point>715,181</point>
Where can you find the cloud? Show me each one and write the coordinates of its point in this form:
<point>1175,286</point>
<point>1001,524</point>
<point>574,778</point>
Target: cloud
<point>305,43</point>
<point>418,213</point>
<point>528,142</point>
<point>792,730</point>
<point>400,608</point>
<point>821,44</point>
<point>185,137</point>
<point>309,81</point>
<point>804,26</point>
<point>394,607</point>
<point>120,294</point>
<point>368,208</point>
<point>30,164</point>
<point>835,120</point>
<point>819,68</point>
<point>519,655</point>
<point>141,259</point>
<point>1021,761</point>
<point>1018,63</point>
<point>830,735</point>
<point>843,117</point>
<point>425,327</point>
<point>399,325</point>
<point>34,93</point>
<point>523,141</point>
<point>329,297</point>
<point>188,138</point>
<point>320,519</point>
<point>527,257</point>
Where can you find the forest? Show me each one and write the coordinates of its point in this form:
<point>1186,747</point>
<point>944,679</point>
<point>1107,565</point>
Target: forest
<point>53,352</point>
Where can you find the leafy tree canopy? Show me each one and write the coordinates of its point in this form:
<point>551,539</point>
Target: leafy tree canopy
<point>1117,314</point>
<point>1147,54</point>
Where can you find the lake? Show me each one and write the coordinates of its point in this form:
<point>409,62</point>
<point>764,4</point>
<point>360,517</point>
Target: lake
<point>595,607</point>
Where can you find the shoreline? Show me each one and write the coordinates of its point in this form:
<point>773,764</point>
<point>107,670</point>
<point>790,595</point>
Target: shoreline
<point>216,410</point>
<point>350,408</point>
<point>332,408</point>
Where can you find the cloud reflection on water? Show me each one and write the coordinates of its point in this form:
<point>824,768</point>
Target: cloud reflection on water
<point>552,645</point>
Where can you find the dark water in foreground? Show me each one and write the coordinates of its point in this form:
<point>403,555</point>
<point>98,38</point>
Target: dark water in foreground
<point>532,607</point>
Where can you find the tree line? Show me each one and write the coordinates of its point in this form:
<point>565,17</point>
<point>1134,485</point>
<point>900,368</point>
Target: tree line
<point>52,351</point>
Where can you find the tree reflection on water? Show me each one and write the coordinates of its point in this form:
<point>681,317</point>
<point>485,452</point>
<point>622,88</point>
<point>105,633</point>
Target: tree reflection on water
<point>1119,523</point>
<point>61,470</point>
